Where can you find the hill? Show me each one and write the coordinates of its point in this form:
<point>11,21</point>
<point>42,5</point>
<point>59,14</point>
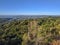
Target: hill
<point>15,32</point>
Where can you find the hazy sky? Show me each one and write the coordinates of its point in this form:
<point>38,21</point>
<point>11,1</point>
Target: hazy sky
<point>30,7</point>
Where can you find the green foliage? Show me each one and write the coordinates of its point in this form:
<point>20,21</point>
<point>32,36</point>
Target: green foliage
<point>16,31</point>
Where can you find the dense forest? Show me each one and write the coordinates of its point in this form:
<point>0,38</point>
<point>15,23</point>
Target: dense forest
<point>16,31</point>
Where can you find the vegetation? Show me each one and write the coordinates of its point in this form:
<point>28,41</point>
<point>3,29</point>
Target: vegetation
<point>16,32</point>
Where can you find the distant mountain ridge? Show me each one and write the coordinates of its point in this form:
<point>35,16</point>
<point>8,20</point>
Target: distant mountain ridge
<point>8,18</point>
<point>25,16</point>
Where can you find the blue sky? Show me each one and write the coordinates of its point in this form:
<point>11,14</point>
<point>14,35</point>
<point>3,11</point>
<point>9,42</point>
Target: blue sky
<point>49,7</point>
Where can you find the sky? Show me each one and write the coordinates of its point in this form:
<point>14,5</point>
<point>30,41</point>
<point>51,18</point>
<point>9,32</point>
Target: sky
<point>29,7</point>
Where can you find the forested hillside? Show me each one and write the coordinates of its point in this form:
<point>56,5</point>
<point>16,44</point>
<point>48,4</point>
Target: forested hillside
<point>16,31</point>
